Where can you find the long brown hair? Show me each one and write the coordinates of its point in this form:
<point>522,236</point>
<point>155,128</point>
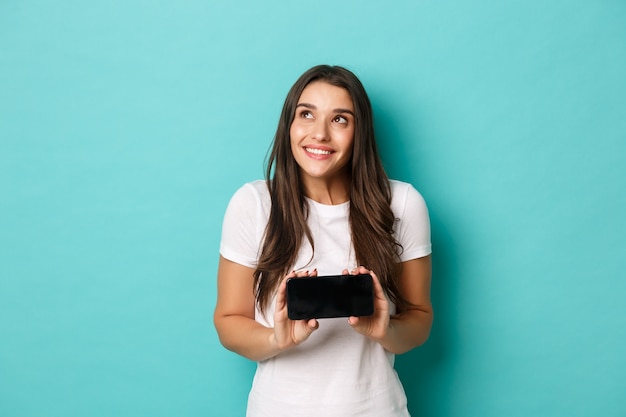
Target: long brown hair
<point>371,217</point>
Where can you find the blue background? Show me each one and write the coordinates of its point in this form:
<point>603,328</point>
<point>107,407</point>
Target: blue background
<point>125,127</point>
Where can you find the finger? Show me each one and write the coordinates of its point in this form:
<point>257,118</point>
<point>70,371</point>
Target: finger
<point>378,288</point>
<point>312,324</point>
<point>363,270</point>
<point>345,272</point>
<point>314,273</point>
<point>282,288</point>
<point>281,294</point>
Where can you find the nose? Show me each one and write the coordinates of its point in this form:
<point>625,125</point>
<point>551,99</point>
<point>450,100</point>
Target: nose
<point>320,131</point>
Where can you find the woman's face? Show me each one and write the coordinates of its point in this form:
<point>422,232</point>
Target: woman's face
<point>322,132</point>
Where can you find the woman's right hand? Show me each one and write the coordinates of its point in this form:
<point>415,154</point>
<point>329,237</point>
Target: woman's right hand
<point>289,333</point>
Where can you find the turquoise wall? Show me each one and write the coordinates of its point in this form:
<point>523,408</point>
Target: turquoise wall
<point>125,126</point>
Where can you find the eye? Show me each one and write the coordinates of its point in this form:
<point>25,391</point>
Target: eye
<point>340,119</point>
<point>306,114</point>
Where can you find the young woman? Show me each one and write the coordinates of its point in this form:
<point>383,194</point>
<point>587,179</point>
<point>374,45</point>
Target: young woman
<point>326,208</point>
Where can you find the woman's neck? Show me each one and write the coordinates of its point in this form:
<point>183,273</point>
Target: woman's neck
<point>328,192</point>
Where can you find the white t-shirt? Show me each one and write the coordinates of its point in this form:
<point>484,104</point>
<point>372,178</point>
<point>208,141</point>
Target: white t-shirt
<point>336,372</point>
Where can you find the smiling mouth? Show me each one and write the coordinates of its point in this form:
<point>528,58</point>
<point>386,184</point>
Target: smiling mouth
<point>317,151</point>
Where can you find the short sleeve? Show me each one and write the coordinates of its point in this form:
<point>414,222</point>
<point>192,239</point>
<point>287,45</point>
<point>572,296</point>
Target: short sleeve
<point>243,226</point>
<point>412,227</point>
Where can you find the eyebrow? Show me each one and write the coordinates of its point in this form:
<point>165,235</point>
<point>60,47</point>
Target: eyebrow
<point>313,107</point>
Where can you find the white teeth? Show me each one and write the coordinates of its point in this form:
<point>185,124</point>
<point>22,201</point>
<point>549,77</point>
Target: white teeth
<point>317,151</point>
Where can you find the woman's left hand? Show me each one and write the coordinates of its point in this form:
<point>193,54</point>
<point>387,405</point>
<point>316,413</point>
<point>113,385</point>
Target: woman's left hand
<point>375,326</point>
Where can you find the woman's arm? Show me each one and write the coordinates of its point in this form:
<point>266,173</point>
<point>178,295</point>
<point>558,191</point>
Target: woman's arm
<point>411,328</point>
<point>234,313</point>
<point>234,316</point>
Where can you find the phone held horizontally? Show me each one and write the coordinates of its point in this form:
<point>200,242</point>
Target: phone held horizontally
<point>330,296</point>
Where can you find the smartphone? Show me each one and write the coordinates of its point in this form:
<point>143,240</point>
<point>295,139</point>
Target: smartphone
<point>330,296</point>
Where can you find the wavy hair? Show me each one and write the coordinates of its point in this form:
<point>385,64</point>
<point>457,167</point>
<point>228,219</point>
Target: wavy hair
<point>371,217</point>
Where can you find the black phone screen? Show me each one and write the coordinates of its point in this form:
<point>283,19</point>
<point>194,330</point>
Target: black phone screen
<point>330,296</point>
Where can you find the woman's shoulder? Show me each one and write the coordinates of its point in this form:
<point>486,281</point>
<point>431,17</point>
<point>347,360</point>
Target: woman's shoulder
<point>256,188</point>
<point>401,188</point>
<point>253,193</point>
<point>403,194</point>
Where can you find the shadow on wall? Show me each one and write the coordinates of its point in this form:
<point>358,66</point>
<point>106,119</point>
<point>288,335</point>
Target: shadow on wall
<point>422,370</point>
